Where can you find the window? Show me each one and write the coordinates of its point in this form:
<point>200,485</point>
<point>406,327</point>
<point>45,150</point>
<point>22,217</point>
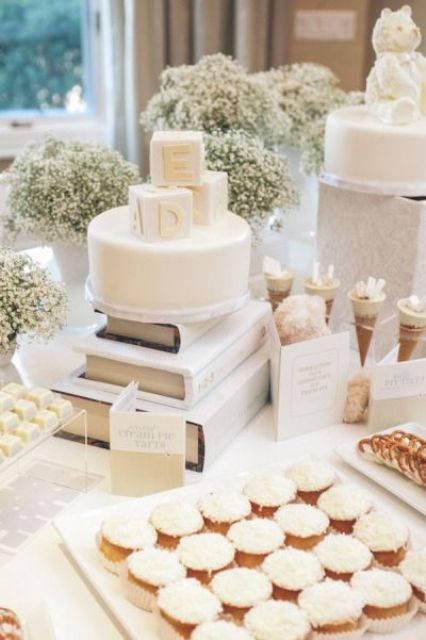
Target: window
<point>44,57</point>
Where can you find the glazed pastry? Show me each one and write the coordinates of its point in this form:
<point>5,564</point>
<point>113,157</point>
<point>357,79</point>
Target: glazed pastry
<point>27,431</point>
<point>254,540</point>
<point>119,536</point>
<point>240,589</point>
<point>41,397</point>
<point>6,402</point>
<point>204,554</point>
<point>63,409</point>
<point>220,509</point>
<point>173,520</point>
<point>312,478</point>
<point>15,390</point>
<point>341,556</point>
<point>8,421</point>
<point>304,525</point>
<point>269,492</point>
<point>291,571</point>
<point>47,420</point>
<point>386,537</point>
<point>344,504</point>
<point>273,620</point>
<point>24,409</point>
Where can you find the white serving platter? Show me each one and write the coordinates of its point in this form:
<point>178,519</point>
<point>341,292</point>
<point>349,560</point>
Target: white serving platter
<point>78,533</point>
<point>390,479</point>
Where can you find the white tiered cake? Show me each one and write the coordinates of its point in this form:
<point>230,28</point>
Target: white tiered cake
<point>163,259</point>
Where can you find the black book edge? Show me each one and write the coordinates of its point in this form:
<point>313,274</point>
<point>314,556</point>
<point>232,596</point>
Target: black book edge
<point>103,333</point>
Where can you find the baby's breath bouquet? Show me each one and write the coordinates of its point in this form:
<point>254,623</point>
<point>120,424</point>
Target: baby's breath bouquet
<point>31,303</point>
<point>215,94</point>
<point>307,93</point>
<point>259,180</point>
<point>58,186</point>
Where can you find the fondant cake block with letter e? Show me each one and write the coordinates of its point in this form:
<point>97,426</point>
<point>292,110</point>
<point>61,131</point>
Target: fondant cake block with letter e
<point>159,213</point>
<point>211,197</point>
<point>177,158</point>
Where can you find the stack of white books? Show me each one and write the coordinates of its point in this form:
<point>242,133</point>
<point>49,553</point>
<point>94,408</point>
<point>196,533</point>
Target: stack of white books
<point>216,373</point>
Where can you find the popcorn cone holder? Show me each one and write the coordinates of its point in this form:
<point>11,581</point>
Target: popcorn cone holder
<point>409,338</point>
<point>278,289</point>
<point>326,292</point>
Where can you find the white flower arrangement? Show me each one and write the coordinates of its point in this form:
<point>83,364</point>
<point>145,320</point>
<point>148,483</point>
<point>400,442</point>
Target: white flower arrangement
<point>31,303</point>
<point>307,93</point>
<point>58,186</point>
<point>215,94</point>
<point>259,180</point>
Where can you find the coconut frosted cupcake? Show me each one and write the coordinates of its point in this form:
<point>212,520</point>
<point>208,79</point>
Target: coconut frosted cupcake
<point>333,607</point>
<point>386,537</point>
<point>203,554</point>
<point>119,536</point>
<point>341,556</point>
<point>220,509</point>
<point>304,526</point>
<point>240,589</point>
<point>273,620</point>
<point>146,571</point>
<point>291,571</point>
<point>182,606</point>
<point>344,504</point>
<point>173,520</point>
<point>413,568</point>
<point>220,630</point>
<point>311,477</point>
<point>388,599</point>
<point>254,540</point>
<point>269,492</point>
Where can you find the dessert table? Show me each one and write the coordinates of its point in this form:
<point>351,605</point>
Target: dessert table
<point>42,572</point>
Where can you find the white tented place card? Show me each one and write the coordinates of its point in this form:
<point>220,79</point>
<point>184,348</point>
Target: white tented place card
<point>309,383</point>
<point>147,450</point>
<point>398,393</point>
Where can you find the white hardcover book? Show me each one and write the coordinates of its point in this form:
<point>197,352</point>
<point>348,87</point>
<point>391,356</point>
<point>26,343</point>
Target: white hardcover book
<point>183,379</point>
<point>210,425</point>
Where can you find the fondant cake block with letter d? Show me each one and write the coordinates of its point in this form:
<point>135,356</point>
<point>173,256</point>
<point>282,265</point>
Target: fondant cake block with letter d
<point>176,254</point>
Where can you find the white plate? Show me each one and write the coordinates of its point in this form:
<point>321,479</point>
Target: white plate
<point>79,532</point>
<point>404,488</point>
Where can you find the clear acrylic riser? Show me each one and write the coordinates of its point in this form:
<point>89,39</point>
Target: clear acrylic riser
<point>39,482</point>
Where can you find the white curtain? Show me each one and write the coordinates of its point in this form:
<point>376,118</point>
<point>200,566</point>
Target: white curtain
<point>145,36</point>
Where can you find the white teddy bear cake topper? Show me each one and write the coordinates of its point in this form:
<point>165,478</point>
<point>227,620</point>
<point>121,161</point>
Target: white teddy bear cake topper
<point>396,85</point>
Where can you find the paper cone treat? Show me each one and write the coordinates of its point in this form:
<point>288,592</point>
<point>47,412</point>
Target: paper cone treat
<point>367,299</point>
<point>325,287</point>
<point>279,281</point>
<point>412,325</point>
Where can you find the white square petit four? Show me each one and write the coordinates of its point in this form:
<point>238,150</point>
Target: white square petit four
<point>160,213</point>
<point>27,431</point>
<point>40,396</point>
<point>8,421</point>
<point>10,444</point>
<point>177,158</point>
<point>6,402</point>
<point>24,409</point>
<point>46,419</point>
<point>15,390</point>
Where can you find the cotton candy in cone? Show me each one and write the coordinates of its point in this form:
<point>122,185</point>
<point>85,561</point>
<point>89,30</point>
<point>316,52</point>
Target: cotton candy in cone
<point>325,291</point>
<point>366,311</point>
<point>412,326</point>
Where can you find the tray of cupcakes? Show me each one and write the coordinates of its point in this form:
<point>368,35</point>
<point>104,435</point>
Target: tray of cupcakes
<point>297,553</point>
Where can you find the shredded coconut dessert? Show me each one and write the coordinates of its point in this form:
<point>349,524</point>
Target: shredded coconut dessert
<point>156,567</point>
<point>220,630</point>
<point>276,620</point>
<point>380,532</point>
<point>205,551</point>
<point>301,520</point>
<point>225,506</point>
<point>188,602</point>
<point>343,554</point>
<point>129,532</point>
<point>345,502</point>
<point>176,519</point>
<point>293,569</point>
<point>270,490</point>
<point>382,588</point>
<point>241,587</point>
<point>256,536</point>
<point>331,602</point>
<point>413,568</point>
<point>311,475</point>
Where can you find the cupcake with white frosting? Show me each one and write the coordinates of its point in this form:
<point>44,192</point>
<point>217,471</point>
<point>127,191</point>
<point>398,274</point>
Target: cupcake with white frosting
<point>304,525</point>
<point>388,599</point>
<point>182,606</point>
<point>341,556</point>
<point>291,571</point>
<point>119,536</point>
<point>173,520</point>
<point>221,630</point>
<point>221,509</point>
<point>274,620</point>
<point>413,568</point>
<point>334,609</point>
<point>204,554</point>
<point>312,477</point>
<point>269,492</point>
<point>146,571</point>
<point>344,504</point>
<point>240,589</point>
<point>386,537</point>
<point>254,540</point>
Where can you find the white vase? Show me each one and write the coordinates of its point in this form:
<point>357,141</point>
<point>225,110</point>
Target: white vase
<point>6,356</point>
<point>71,265</point>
